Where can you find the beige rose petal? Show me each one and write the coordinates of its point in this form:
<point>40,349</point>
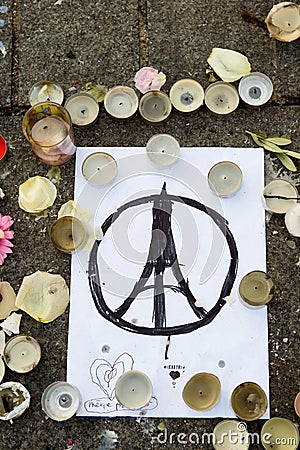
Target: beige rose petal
<point>229,65</point>
<point>36,194</point>
<point>8,302</point>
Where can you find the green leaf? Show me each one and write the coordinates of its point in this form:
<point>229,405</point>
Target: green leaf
<point>286,136</point>
<point>260,134</point>
<point>256,139</point>
<point>272,147</point>
<point>279,140</point>
<point>286,161</point>
<point>293,154</point>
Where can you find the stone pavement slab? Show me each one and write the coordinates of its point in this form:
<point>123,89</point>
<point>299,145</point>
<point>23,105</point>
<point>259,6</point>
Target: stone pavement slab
<point>6,15</point>
<point>33,251</point>
<point>77,41</point>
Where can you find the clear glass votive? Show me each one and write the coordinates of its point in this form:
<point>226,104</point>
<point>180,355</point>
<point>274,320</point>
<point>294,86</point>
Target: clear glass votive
<point>48,129</point>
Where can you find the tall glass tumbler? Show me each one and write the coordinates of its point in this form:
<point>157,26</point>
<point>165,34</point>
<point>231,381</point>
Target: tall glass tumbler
<point>48,129</point>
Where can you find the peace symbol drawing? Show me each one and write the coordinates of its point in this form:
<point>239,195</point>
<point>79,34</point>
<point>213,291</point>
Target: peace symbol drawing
<point>162,256</point>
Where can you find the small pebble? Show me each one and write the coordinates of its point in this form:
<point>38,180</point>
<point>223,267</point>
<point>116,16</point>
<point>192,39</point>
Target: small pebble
<point>285,340</point>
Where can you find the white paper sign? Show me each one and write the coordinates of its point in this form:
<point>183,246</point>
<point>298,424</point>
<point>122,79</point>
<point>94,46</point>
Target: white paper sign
<point>109,335</point>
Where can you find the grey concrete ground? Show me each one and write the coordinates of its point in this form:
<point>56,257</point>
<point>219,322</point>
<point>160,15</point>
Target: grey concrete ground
<point>76,41</point>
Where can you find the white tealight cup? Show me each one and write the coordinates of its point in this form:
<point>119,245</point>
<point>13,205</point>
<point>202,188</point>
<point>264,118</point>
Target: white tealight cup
<point>221,97</point>
<point>22,353</point>
<point>227,431</point>
<point>279,196</point>
<point>186,95</point>
<point>45,91</point>
<point>60,401</point>
<point>99,168</point>
<point>163,149</point>
<point>83,109</point>
<point>292,220</point>
<point>121,102</point>
<point>225,178</point>
<point>133,389</point>
<point>255,89</point>
<point>2,369</point>
<point>155,106</point>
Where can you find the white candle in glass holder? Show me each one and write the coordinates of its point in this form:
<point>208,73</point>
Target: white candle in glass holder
<point>83,109</point>
<point>99,168</point>
<point>121,102</point>
<point>186,95</point>
<point>279,196</point>
<point>162,149</point>
<point>45,91</point>
<point>155,106</point>
<point>49,131</point>
<point>255,89</point>
<point>221,97</point>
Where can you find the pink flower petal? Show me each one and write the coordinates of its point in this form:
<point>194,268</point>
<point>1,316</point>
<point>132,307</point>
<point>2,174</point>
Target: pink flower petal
<point>148,79</point>
<point>5,222</point>
<point>6,243</point>
<point>9,234</point>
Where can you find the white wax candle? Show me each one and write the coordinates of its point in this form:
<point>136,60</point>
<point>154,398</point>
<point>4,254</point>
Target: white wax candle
<point>163,149</point>
<point>155,106</point>
<point>292,220</point>
<point>221,97</point>
<point>279,196</point>
<point>22,353</point>
<point>49,131</point>
<point>83,109</point>
<point>133,389</point>
<point>225,178</point>
<point>255,89</point>
<point>99,168</point>
<point>186,95</point>
<point>121,102</point>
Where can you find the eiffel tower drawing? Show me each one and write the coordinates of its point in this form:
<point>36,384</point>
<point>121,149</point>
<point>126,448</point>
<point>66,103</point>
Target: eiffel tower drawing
<point>162,255</point>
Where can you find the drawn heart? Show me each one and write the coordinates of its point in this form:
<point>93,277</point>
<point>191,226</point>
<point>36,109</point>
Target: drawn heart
<point>174,374</point>
<point>105,374</point>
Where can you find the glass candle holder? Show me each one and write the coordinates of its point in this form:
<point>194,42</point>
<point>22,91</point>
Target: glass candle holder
<point>155,107</point>
<point>121,102</point>
<point>45,91</point>
<point>186,95</point>
<point>83,109</point>
<point>225,178</point>
<point>255,89</point>
<point>221,98</point>
<point>249,401</point>
<point>68,234</point>
<point>279,196</point>
<point>202,391</point>
<point>48,129</point>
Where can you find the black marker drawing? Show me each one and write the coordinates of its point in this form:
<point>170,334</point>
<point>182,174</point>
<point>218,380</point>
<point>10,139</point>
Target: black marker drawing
<point>162,254</point>
<point>105,374</point>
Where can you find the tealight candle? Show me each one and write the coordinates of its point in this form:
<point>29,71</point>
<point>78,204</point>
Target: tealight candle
<point>22,353</point>
<point>221,97</point>
<point>279,196</point>
<point>225,178</point>
<point>121,102</point>
<point>162,149</point>
<point>45,91</point>
<point>14,400</point>
<point>2,369</point>
<point>155,106</point>
<point>202,391</point>
<point>256,288</point>
<point>297,404</point>
<point>283,21</point>
<point>60,401</point>
<point>99,168</point>
<point>133,389</point>
<point>255,89</point>
<point>83,109</point>
<point>48,129</point>
<point>280,434</point>
<point>186,95</point>
<point>249,401</point>
<point>3,148</point>
<point>230,435</point>
<point>292,220</point>
<point>67,234</point>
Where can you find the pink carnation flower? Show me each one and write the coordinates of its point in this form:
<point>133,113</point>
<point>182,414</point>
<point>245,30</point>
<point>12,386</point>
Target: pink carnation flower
<point>148,79</point>
<point>5,235</point>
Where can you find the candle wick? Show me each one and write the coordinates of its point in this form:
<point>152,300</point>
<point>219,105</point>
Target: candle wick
<point>45,127</point>
<point>82,111</point>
